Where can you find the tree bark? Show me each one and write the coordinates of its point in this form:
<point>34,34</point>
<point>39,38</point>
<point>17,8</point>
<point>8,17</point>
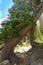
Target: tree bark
<point>32,38</point>
<point>10,45</point>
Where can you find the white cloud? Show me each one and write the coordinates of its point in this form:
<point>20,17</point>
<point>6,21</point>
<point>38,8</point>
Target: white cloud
<point>0,22</point>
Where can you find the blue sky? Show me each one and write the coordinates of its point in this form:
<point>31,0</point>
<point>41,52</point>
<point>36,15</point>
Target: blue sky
<point>42,15</point>
<point>4,5</point>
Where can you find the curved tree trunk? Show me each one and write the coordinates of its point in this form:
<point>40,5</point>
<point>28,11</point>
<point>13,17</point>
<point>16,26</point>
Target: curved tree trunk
<point>10,45</point>
<point>32,38</point>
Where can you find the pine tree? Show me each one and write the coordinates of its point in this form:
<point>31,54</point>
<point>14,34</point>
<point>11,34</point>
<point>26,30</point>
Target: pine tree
<point>21,18</point>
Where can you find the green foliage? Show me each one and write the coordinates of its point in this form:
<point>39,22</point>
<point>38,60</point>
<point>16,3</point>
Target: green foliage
<point>19,17</point>
<point>21,14</point>
<point>38,2</point>
<point>39,35</point>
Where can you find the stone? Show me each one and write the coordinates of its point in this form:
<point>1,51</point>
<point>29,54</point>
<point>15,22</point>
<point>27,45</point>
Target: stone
<point>0,64</point>
<point>0,56</point>
<point>6,62</point>
<point>37,57</point>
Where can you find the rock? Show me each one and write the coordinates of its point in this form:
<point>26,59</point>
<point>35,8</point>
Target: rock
<point>0,64</point>
<point>0,56</point>
<point>37,56</point>
<point>6,62</point>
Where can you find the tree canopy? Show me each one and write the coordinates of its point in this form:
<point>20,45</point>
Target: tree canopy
<point>20,15</point>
